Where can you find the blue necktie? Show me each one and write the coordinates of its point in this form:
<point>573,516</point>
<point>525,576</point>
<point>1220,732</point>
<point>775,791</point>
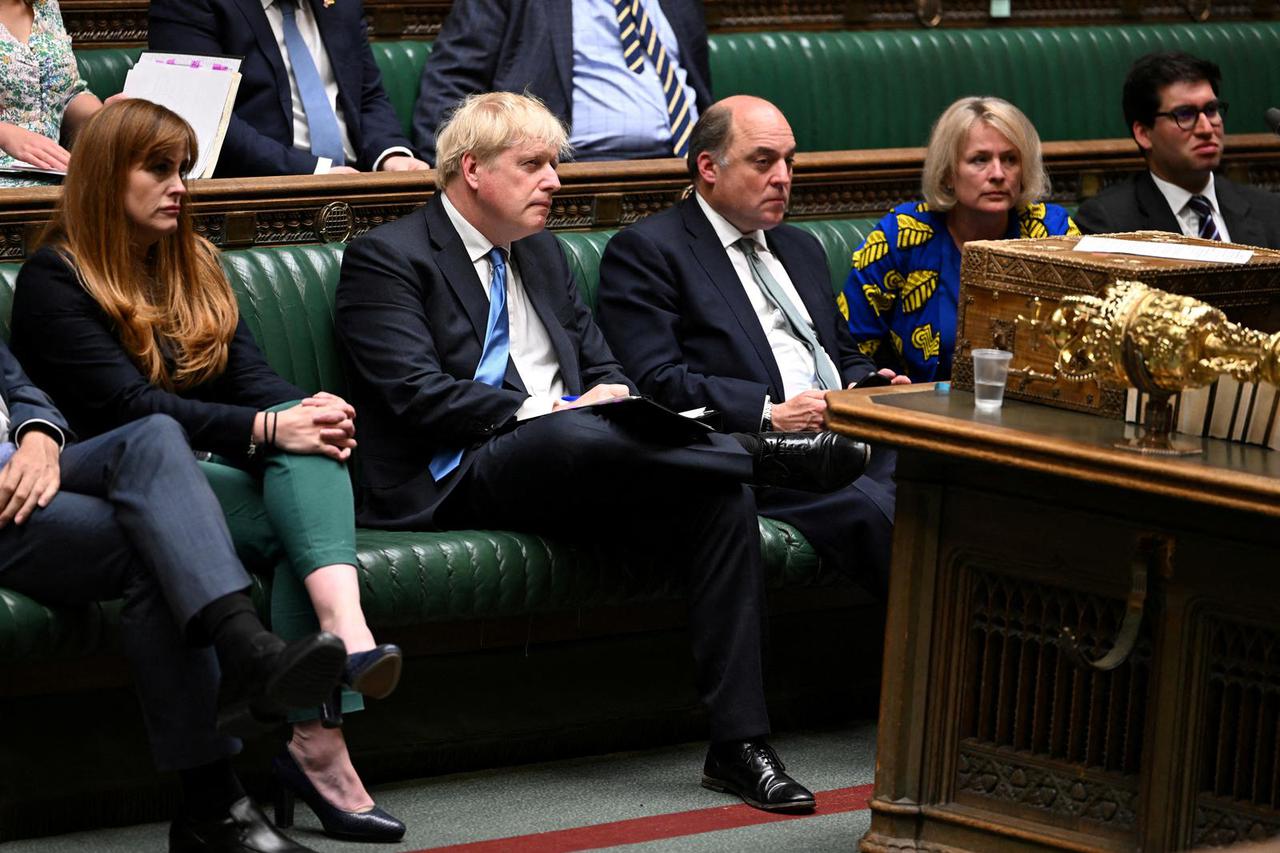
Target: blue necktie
<point>492,368</point>
<point>326,137</point>
<point>1202,208</point>
<point>639,39</point>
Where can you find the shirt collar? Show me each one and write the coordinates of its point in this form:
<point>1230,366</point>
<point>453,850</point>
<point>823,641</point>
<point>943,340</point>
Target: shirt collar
<point>476,244</point>
<point>1177,197</point>
<point>726,230</point>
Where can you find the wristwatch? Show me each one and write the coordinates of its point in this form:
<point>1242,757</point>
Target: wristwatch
<point>766,420</point>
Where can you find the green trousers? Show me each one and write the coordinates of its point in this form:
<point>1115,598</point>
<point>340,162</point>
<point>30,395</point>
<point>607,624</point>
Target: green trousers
<point>297,517</point>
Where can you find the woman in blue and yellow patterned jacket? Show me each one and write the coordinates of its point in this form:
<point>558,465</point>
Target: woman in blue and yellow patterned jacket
<point>983,177</point>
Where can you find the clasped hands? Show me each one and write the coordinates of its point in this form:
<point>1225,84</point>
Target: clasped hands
<point>323,423</point>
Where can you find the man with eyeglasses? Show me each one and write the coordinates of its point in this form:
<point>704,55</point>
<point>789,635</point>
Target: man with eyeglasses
<point>1172,107</point>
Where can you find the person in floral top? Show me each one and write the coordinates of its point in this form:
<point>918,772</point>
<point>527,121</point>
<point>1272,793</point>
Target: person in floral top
<point>983,176</point>
<point>43,100</point>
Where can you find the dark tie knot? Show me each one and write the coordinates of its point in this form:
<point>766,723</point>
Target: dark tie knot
<point>1201,205</point>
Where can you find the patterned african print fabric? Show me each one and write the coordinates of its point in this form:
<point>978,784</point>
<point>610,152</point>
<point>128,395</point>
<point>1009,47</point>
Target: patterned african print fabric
<point>37,79</point>
<point>901,295</point>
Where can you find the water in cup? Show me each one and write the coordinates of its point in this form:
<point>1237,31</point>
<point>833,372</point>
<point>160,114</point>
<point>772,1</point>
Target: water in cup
<point>990,371</point>
<point>988,396</point>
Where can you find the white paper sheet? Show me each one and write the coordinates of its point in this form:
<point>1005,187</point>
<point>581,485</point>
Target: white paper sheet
<point>1174,251</point>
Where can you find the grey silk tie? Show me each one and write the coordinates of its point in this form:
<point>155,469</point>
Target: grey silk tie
<point>774,293</point>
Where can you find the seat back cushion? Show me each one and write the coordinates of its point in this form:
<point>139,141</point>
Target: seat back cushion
<point>286,297</point>
<point>885,88</point>
<point>401,65</point>
<point>104,68</point>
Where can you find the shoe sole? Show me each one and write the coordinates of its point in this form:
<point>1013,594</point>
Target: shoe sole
<point>724,788</point>
<point>310,679</point>
<point>305,684</point>
<point>380,680</point>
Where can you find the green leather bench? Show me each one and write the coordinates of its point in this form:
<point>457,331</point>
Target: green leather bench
<point>408,579</point>
<point>884,88</point>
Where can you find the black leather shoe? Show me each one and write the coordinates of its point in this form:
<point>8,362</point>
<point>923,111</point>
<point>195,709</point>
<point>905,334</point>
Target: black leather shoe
<point>810,461</point>
<point>277,679</point>
<point>245,829</point>
<point>753,771</point>
<point>373,825</point>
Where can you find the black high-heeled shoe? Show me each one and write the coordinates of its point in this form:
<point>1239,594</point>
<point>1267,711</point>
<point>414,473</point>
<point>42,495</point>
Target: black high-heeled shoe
<point>373,825</point>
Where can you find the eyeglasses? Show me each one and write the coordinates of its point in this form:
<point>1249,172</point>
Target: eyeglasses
<point>1187,116</point>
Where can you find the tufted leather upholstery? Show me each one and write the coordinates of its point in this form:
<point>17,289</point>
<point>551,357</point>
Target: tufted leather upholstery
<point>401,65</point>
<point>884,88</point>
<point>286,296</point>
<point>105,68</point>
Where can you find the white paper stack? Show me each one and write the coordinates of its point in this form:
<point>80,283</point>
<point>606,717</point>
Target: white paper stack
<point>201,89</point>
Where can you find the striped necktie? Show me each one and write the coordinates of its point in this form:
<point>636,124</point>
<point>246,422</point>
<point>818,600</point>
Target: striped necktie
<point>492,367</point>
<point>1202,208</point>
<point>640,39</point>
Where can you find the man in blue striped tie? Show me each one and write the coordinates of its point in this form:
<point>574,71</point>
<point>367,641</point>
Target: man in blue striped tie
<point>476,363</point>
<point>1173,107</point>
<point>630,77</point>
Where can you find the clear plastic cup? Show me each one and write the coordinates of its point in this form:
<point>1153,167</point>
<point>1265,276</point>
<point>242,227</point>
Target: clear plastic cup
<point>990,372</point>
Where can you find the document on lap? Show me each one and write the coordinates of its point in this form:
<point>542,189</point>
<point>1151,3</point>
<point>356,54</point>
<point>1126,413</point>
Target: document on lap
<point>201,89</point>
<point>651,420</point>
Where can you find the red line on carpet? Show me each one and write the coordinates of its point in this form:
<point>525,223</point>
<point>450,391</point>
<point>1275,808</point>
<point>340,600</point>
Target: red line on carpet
<point>660,826</point>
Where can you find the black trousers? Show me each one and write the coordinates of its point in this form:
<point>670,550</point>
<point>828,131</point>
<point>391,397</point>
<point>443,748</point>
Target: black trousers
<point>851,529</point>
<point>135,518</point>
<point>577,475</point>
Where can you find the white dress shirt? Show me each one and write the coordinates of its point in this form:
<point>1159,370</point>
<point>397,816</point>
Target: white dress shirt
<point>531,349</point>
<point>311,36</point>
<point>795,362</point>
<point>1188,219</point>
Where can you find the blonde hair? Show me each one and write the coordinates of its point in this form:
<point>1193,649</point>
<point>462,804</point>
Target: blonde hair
<point>488,124</point>
<point>948,137</point>
<point>190,313</point>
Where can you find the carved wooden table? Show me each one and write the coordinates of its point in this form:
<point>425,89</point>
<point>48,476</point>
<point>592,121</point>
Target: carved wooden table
<point>997,731</point>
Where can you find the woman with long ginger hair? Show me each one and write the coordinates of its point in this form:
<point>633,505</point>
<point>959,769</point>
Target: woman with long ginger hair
<point>125,312</point>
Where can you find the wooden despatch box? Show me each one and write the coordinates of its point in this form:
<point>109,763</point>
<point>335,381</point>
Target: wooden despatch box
<point>1001,280</point>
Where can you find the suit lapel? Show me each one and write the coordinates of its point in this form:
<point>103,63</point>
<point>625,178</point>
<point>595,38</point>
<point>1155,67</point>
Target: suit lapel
<point>1154,206</point>
<point>540,291</point>
<point>456,267</point>
<point>1235,210</point>
<point>256,17</point>
<point>560,23</point>
<point>714,259</point>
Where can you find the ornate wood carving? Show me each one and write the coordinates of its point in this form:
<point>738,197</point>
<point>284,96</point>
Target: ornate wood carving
<point>1101,798</point>
<point>833,184</point>
<point>123,23</point>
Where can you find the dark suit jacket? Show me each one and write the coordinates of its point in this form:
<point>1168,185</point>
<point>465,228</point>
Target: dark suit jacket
<point>514,45</point>
<point>411,315</point>
<point>1252,215</point>
<point>675,312</point>
<point>70,346</point>
<point>260,138</point>
<point>26,402</point>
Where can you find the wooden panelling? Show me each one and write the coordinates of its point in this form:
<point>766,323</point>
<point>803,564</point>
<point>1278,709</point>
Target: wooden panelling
<point>119,23</point>
<point>307,209</point>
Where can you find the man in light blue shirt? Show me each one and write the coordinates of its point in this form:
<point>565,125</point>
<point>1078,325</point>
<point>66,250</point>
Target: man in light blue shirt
<point>629,78</point>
